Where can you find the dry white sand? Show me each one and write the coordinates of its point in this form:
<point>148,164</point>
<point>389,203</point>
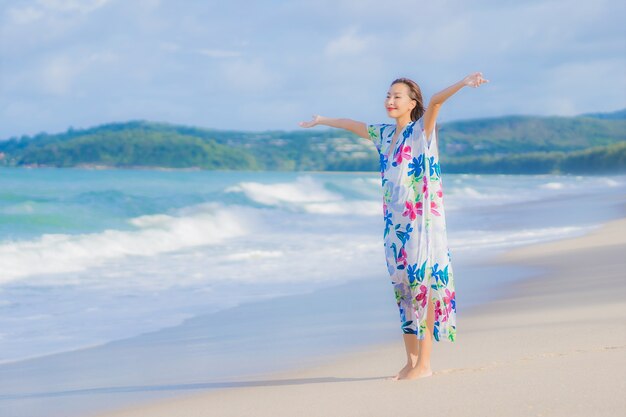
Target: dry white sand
<point>553,345</point>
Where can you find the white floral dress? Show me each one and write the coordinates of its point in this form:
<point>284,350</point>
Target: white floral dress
<point>416,245</point>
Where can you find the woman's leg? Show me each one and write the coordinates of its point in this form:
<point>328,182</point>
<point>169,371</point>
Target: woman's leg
<point>411,346</point>
<point>412,349</point>
<point>422,368</point>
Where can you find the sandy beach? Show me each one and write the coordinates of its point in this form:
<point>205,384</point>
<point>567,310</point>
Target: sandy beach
<point>551,345</point>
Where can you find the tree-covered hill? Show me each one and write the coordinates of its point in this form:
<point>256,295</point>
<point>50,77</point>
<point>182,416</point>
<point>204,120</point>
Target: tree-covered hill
<point>513,144</point>
<point>599,160</point>
<point>520,134</point>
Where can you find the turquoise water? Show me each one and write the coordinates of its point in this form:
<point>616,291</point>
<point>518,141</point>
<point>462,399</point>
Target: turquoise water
<point>92,256</point>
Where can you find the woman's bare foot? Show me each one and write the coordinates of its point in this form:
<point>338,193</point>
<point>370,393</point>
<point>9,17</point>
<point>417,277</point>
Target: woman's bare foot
<point>418,372</point>
<point>401,374</point>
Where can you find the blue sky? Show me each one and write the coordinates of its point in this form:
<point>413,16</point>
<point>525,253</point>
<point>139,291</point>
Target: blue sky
<point>257,65</point>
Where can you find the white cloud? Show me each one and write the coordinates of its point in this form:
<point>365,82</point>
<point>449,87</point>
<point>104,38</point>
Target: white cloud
<point>568,83</point>
<point>59,73</point>
<point>349,43</point>
<point>80,61</point>
<point>25,15</point>
<point>218,53</point>
<point>49,8</point>
<point>246,76</point>
<point>170,46</point>
<point>80,6</point>
<point>445,41</point>
<point>211,53</point>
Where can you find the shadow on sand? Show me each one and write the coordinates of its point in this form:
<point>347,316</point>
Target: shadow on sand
<point>183,387</point>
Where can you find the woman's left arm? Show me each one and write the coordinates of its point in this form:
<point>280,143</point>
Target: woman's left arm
<point>430,115</point>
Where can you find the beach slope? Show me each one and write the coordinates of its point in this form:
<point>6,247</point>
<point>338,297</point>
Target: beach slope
<point>551,345</point>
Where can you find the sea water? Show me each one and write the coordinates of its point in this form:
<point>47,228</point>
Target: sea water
<point>120,286</point>
<point>92,256</point>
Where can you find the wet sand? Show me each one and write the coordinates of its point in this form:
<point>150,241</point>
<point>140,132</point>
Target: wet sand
<point>551,345</point>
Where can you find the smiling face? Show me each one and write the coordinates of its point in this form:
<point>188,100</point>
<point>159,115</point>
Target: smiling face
<point>398,102</point>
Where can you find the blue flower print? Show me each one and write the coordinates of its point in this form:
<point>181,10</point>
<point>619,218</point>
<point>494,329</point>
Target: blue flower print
<point>382,159</point>
<point>434,167</point>
<point>404,235</point>
<point>416,166</point>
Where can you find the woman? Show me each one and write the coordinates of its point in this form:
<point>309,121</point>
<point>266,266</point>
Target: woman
<point>416,248</point>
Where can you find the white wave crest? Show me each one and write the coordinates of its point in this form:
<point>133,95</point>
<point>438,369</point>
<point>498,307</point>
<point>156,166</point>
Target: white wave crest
<point>304,190</point>
<point>474,239</point>
<point>552,186</point>
<point>54,253</point>
<point>305,195</point>
<point>255,254</point>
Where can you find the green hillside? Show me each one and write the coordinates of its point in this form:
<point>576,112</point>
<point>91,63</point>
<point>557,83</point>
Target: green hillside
<point>511,144</point>
<point>600,160</point>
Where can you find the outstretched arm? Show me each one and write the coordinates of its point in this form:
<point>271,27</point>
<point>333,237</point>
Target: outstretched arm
<point>359,128</point>
<point>430,116</point>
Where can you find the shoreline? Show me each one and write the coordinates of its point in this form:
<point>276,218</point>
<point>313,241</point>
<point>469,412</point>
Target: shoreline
<point>542,333</point>
<point>98,167</point>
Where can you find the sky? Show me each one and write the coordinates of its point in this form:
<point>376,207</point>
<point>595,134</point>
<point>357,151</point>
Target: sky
<point>266,65</point>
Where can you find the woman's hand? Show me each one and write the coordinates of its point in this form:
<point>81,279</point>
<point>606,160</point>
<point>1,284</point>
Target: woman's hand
<point>314,122</point>
<point>474,80</point>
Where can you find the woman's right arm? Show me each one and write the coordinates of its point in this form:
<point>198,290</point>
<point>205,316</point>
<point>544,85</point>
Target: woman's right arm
<point>359,128</point>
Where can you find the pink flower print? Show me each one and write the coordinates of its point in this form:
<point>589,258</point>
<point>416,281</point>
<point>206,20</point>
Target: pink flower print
<point>439,312</point>
<point>418,208</point>
<point>405,153</point>
<point>448,299</point>
<point>402,257</point>
<point>425,187</point>
<point>440,194</point>
<point>411,210</point>
<point>421,297</point>
<point>433,208</point>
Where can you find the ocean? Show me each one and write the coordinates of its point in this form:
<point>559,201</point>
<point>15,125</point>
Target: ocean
<point>89,256</point>
<point>96,259</point>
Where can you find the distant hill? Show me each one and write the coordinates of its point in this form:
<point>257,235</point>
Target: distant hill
<point>620,114</point>
<point>600,160</point>
<point>521,134</point>
<point>511,144</point>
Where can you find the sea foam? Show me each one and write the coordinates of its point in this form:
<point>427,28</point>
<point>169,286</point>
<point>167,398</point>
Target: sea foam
<point>204,224</point>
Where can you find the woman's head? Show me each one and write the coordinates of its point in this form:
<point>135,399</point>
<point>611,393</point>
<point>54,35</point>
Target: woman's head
<point>404,95</point>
